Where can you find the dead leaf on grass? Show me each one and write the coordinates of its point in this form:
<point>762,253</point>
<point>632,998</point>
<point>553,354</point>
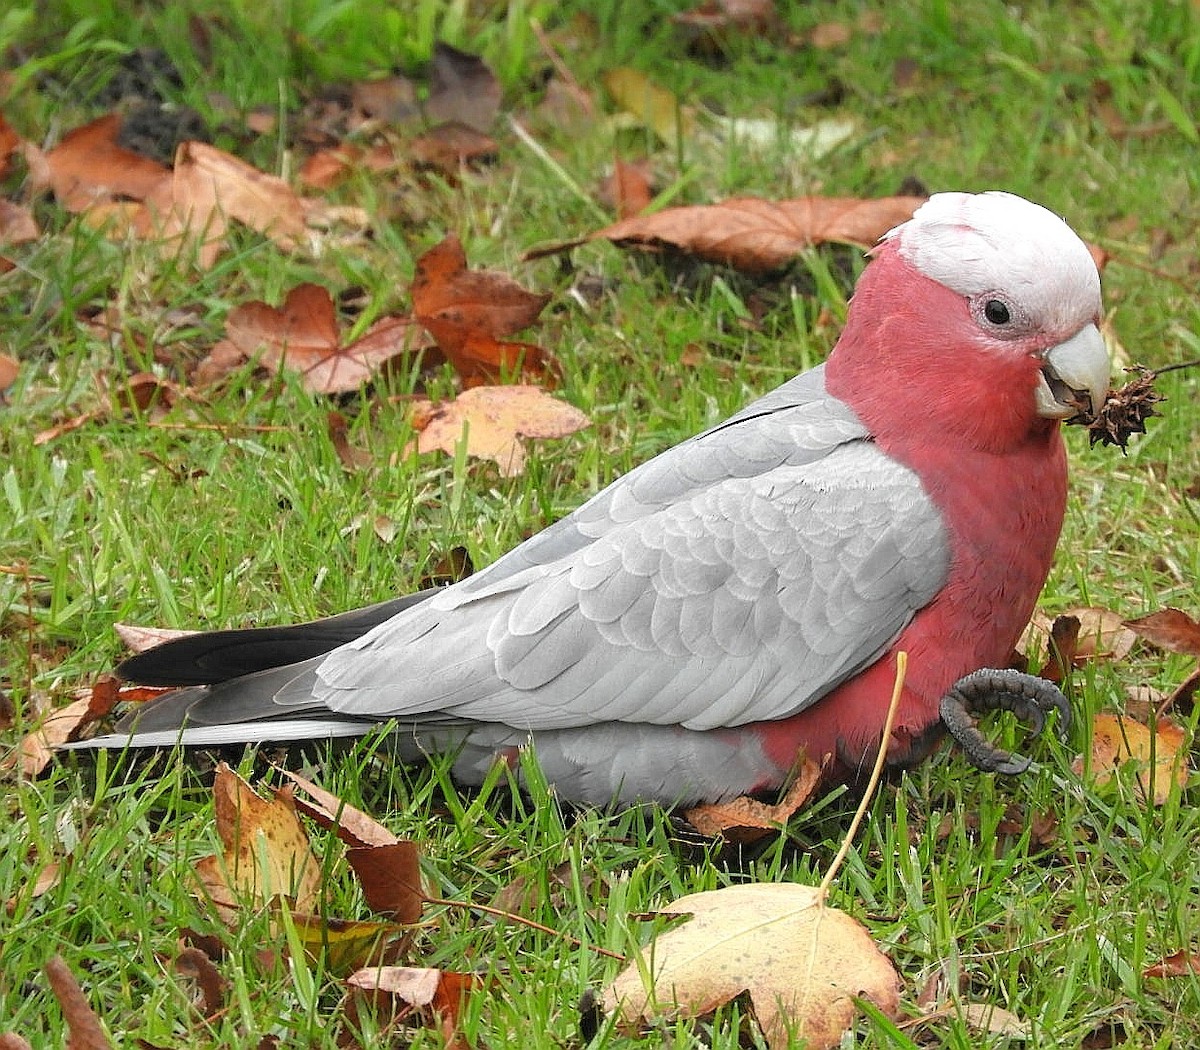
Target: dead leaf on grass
<point>493,420</point>
<point>139,639</point>
<point>265,851</point>
<point>35,752</point>
<point>88,168</point>
<point>418,994</point>
<point>802,963</point>
<point>1159,756</point>
<point>10,368</point>
<point>1180,964</point>
<point>85,1030</point>
<point>462,89</point>
<point>1170,629</point>
<point>753,234</point>
<point>748,820</point>
<point>468,312</point>
<point>302,336</point>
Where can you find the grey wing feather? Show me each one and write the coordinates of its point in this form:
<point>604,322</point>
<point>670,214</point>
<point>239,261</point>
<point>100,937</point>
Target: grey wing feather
<point>738,577</point>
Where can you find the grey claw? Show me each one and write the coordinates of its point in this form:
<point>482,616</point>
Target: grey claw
<point>1027,697</point>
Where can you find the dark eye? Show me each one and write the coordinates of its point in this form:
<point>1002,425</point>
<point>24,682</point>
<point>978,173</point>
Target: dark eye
<point>996,312</point>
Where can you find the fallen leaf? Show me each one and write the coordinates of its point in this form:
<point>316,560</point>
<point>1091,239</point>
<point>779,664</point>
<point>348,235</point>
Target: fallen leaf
<point>83,1026</point>
<point>627,189</point>
<point>468,312</point>
<point>462,89</point>
<point>1102,634</point>
<point>351,825</point>
<point>428,996</point>
<point>746,819</point>
<point>995,1020</point>
<point>36,749</point>
<point>448,148</point>
<point>803,964</point>
<point>754,234</point>
<point>265,852</point>
<point>745,16</point>
<point>197,966</point>
<point>390,877</point>
<point>1180,964</point>
<point>88,167</point>
<point>17,224</point>
<point>10,368</point>
<point>650,104</point>
<point>347,945</point>
<point>1170,629</point>
<point>46,878</point>
<point>302,336</point>
<point>1158,756</point>
<point>492,420</point>
<point>353,459</point>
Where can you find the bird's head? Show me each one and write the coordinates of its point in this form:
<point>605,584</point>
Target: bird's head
<point>978,316</point>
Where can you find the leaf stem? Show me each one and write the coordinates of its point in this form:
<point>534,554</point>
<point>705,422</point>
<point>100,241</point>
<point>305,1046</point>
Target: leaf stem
<point>876,774</point>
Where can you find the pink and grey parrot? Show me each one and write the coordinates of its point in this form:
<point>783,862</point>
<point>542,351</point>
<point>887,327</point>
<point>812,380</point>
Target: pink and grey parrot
<point>736,603</point>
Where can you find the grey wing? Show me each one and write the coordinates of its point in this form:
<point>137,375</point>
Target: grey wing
<point>737,578</point>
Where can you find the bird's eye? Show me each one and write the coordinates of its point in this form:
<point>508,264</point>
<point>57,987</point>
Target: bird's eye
<point>996,312</point>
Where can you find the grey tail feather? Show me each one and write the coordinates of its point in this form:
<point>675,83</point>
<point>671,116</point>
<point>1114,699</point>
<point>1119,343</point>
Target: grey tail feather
<point>282,731</point>
<point>217,656</point>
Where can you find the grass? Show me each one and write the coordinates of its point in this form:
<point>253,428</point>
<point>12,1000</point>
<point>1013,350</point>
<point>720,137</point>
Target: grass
<point>123,520</point>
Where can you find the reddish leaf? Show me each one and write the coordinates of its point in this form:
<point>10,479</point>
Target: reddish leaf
<point>88,167</point>
<point>450,147</point>
<point>302,336</point>
<point>10,367</point>
<point>468,312</point>
<point>628,187</point>
<point>428,996</point>
<point>1170,629</point>
<point>1180,964</point>
<point>390,876</point>
<point>352,826</point>
<point>86,1032</point>
<point>760,235</point>
<point>748,820</point>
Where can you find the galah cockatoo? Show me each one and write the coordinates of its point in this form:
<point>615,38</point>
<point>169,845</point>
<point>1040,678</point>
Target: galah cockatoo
<point>736,603</point>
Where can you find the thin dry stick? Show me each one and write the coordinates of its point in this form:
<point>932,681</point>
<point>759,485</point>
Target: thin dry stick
<point>501,914</point>
<point>876,774</point>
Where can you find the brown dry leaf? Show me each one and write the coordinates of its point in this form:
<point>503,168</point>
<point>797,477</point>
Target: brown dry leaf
<point>424,995</point>
<point>1180,964</point>
<point>1102,634</point>
<point>9,141</point>
<point>353,459</point>
<point>352,826</point>
<point>494,419</point>
<point>195,965</point>
<point>829,35</point>
<point>1170,629</point>
<point>746,819</point>
<point>302,335</point>
<point>17,224</point>
<point>469,311</point>
<point>747,16</point>
<point>89,168</point>
<point>462,89</point>
<point>36,750</point>
<point>207,188</point>
<point>1160,757</point>
<point>628,188</point>
<point>754,234</point>
<point>46,878</point>
<point>86,1032</point>
<point>449,148</point>
<point>390,876</point>
<point>10,368</point>
<point>265,851</point>
<point>802,962</point>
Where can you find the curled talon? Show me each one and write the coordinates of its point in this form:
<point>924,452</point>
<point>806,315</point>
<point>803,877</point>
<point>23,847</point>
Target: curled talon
<point>1027,697</point>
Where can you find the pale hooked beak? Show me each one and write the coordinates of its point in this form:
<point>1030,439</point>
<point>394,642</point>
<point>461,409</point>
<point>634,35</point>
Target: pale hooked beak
<point>1074,379</point>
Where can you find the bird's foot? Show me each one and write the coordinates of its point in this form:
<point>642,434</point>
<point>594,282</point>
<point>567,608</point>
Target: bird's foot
<point>1027,697</point>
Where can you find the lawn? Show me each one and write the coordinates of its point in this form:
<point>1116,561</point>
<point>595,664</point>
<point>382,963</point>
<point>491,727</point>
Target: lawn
<point>1050,896</point>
